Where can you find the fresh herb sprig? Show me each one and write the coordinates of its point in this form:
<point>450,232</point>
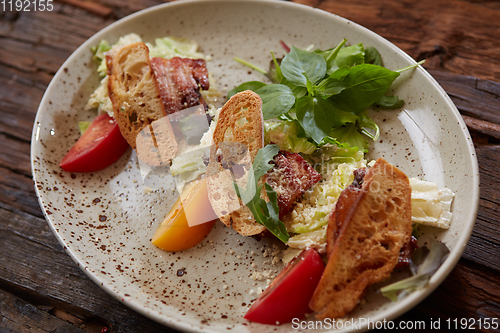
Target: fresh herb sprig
<point>328,92</point>
<point>265,213</point>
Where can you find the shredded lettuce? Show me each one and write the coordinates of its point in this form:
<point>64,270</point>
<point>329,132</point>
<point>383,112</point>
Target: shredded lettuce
<point>100,51</point>
<point>286,135</point>
<point>169,47</point>
<point>83,125</point>
<point>308,220</point>
<point>166,47</point>
<point>319,220</point>
<point>103,47</point>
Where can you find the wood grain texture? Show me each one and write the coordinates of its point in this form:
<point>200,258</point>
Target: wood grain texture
<point>35,268</point>
<point>42,289</point>
<point>455,36</point>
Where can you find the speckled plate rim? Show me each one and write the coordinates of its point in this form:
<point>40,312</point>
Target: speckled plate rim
<point>404,305</point>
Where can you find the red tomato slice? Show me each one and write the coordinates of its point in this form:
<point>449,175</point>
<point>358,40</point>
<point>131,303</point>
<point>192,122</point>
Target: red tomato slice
<point>101,145</point>
<point>288,296</point>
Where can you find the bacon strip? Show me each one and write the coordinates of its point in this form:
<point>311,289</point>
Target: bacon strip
<point>179,81</point>
<point>406,252</point>
<point>290,177</point>
<point>344,207</point>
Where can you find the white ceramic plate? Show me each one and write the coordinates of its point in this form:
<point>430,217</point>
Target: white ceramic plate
<point>106,219</point>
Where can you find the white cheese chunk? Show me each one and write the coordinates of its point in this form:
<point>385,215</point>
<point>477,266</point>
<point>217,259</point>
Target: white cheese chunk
<point>430,206</point>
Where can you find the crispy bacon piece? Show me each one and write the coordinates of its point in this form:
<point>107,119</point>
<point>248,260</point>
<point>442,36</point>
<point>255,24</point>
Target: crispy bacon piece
<point>290,177</point>
<point>406,252</point>
<point>350,196</point>
<point>179,81</point>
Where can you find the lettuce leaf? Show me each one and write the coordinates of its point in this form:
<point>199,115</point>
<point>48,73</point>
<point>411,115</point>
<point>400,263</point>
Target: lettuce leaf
<point>425,262</point>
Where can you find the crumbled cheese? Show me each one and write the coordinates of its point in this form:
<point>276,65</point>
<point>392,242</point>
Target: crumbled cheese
<point>147,190</point>
<point>261,276</point>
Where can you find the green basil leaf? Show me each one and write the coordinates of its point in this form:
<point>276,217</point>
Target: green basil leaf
<point>313,121</point>
<point>261,163</point>
<point>297,91</point>
<point>315,115</point>
<point>351,56</point>
<point>341,73</point>
<point>299,65</point>
<point>334,84</point>
<point>274,73</point>
<point>274,224</point>
<point>260,166</point>
<point>369,127</point>
<point>372,56</point>
<point>265,213</point>
<point>318,116</point>
<point>366,84</point>
<point>348,56</point>
<point>389,102</point>
<point>250,85</point>
<point>276,100</point>
<point>330,55</point>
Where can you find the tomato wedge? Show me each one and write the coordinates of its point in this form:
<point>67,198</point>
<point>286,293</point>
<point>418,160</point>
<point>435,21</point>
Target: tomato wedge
<point>175,233</point>
<point>288,296</point>
<point>100,145</point>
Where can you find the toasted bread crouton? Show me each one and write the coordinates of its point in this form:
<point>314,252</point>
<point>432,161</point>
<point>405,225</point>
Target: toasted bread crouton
<point>375,224</point>
<point>238,136</point>
<point>137,104</point>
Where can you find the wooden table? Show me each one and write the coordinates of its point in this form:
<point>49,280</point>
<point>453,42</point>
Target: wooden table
<point>41,289</point>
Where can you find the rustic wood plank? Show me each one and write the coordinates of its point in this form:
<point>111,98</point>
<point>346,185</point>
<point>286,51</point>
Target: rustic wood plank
<point>487,129</point>
<point>15,155</point>
<point>34,47</point>
<point>17,315</point>
<point>473,97</point>
<point>471,291</point>
<point>484,245</point>
<point>455,36</point>
<point>43,29</point>
<point>17,191</point>
<point>92,7</point>
<point>34,266</point>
